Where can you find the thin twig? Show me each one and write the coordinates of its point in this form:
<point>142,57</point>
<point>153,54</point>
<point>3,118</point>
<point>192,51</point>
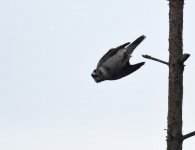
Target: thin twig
<point>189,135</point>
<point>185,57</point>
<point>155,59</point>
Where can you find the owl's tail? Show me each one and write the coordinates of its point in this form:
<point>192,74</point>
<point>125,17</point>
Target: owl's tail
<point>134,44</point>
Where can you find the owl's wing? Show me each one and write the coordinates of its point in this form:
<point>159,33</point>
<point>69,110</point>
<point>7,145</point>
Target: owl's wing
<point>111,52</point>
<point>134,44</point>
<point>128,69</point>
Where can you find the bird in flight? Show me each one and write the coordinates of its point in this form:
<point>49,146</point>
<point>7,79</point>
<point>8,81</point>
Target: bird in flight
<point>115,63</point>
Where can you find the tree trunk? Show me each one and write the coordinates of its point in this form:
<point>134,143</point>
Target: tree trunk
<point>176,67</point>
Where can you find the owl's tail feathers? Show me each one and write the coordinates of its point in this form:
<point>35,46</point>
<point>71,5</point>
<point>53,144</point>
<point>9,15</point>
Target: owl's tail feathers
<point>134,44</point>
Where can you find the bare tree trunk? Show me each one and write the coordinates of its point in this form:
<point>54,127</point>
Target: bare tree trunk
<point>175,137</point>
<point>176,67</point>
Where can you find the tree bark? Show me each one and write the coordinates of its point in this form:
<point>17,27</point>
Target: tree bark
<point>176,67</point>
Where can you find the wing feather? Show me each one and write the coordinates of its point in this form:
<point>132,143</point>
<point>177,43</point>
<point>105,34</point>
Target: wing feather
<point>111,52</point>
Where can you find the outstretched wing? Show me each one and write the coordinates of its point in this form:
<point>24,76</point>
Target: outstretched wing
<point>128,69</point>
<point>111,52</point>
<point>134,44</point>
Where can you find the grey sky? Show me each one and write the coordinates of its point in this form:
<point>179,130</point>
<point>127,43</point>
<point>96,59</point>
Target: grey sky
<point>48,100</point>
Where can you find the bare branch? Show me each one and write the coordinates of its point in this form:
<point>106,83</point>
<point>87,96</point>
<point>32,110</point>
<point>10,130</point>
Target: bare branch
<point>185,57</point>
<point>155,59</point>
<point>189,135</point>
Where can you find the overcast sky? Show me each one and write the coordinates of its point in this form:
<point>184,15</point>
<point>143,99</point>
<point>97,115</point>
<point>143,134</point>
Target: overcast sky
<point>48,100</point>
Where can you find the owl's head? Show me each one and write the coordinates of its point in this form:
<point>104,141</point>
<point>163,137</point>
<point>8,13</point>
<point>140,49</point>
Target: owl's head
<point>98,75</point>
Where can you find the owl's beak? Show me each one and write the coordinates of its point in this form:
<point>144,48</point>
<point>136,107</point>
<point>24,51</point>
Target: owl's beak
<point>95,76</point>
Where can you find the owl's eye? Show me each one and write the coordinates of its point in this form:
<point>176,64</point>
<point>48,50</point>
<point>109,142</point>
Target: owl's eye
<point>94,75</point>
